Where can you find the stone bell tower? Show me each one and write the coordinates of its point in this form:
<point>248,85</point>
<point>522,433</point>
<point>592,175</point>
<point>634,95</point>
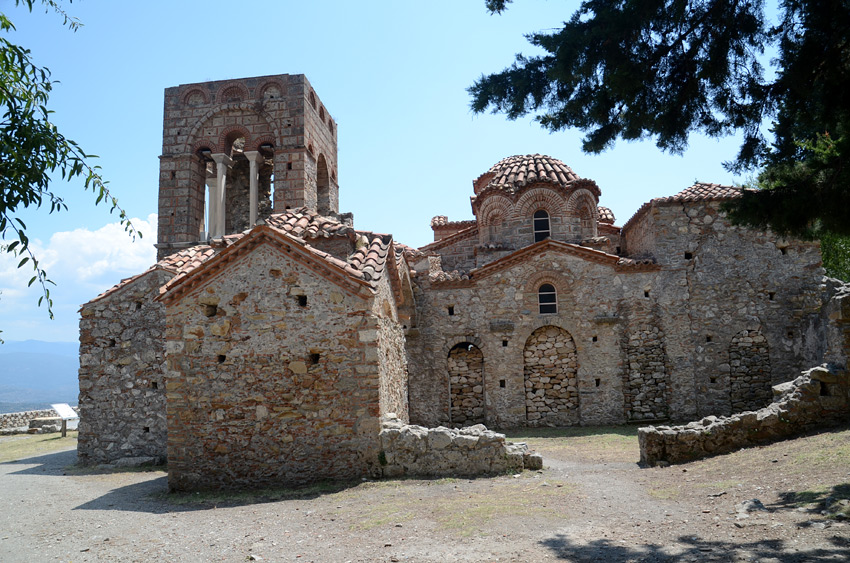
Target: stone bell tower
<point>235,151</point>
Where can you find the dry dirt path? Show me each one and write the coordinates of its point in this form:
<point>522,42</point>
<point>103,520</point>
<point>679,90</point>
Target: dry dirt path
<point>590,503</point>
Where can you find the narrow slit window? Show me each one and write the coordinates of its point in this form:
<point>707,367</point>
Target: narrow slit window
<point>547,299</point>
<point>541,226</point>
<point>451,310</point>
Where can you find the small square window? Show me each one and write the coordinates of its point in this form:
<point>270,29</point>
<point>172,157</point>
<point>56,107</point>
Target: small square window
<point>451,310</point>
<point>688,255</point>
<point>504,343</point>
<point>646,293</point>
<point>502,383</point>
<point>594,339</point>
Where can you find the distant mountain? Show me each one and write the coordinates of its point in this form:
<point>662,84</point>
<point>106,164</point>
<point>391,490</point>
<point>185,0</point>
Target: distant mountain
<point>34,374</point>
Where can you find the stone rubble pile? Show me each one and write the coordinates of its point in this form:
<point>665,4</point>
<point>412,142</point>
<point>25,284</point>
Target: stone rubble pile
<point>819,398</point>
<point>410,450</point>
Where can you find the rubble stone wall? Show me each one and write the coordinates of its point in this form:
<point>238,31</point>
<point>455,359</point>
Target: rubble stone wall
<point>819,398</point>
<point>466,385</point>
<point>409,450</point>
<point>551,385</point>
<point>252,403</point>
<point>122,378</point>
<point>650,344</point>
<point>16,420</point>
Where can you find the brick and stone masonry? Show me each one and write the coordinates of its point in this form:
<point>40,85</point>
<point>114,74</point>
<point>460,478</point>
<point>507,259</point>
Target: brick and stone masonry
<point>276,347</point>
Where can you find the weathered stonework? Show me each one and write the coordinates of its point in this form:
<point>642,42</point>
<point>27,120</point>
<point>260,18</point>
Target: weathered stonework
<point>289,338</point>
<point>819,398</point>
<point>415,451</point>
<point>551,386</point>
<point>122,384</point>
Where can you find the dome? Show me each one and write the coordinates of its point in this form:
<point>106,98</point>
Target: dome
<point>513,173</point>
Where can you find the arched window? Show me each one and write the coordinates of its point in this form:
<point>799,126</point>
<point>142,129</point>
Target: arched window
<point>547,299</point>
<point>541,226</point>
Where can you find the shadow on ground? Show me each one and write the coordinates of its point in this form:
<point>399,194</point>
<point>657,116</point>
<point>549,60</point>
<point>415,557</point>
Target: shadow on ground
<point>692,548</point>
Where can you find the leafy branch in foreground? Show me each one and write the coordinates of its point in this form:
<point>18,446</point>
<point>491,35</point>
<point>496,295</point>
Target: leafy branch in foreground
<point>32,149</point>
<point>663,69</point>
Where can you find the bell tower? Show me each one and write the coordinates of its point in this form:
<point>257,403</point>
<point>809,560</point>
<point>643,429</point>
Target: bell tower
<point>235,151</point>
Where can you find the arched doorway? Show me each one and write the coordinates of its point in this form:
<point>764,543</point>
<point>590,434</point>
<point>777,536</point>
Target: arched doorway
<point>550,368</point>
<point>749,371</point>
<point>466,385</point>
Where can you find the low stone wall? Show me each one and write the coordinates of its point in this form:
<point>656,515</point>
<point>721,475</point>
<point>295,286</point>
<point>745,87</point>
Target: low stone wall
<point>19,422</point>
<point>410,450</point>
<point>819,398</point>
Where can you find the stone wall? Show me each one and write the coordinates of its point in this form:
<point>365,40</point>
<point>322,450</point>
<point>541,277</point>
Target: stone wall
<point>14,422</point>
<point>466,385</point>
<point>278,385</point>
<point>122,380</point>
<point>499,312</point>
<point>408,450</point>
<point>283,111</point>
<point>817,399</point>
<point>651,343</point>
<point>820,397</point>
<point>550,369</point>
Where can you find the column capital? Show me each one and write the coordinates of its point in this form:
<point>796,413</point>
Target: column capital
<point>254,156</point>
<point>221,158</point>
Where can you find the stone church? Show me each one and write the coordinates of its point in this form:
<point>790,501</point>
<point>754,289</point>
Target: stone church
<point>272,336</point>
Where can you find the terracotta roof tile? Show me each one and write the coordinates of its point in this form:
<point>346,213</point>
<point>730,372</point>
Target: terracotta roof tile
<point>304,223</point>
<point>605,215</point>
<point>700,191</point>
<point>515,172</point>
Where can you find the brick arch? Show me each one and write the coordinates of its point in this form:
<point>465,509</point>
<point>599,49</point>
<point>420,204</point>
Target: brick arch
<point>260,141</point>
<point>185,98</point>
<point>583,198</point>
<point>583,205</point>
<point>230,90</point>
<point>455,340</point>
<point>538,198</point>
<point>222,109</point>
<point>560,281</point>
<point>261,91</point>
<point>231,133</point>
<point>204,144</point>
<point>495,205</point>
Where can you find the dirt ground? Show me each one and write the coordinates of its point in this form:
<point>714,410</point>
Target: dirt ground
<point>591,502</point>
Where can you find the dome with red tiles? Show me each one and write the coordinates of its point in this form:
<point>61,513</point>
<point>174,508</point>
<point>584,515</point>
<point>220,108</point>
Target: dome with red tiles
<point>513,173</point>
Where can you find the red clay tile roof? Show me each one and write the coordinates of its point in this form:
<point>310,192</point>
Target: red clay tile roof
<point>305,223</point>
<point>605,215</point>
<point>441,221</point>
<point>178,263</point>
<point>466,233</point>
<point>701,191</point>
<point>515,172</point>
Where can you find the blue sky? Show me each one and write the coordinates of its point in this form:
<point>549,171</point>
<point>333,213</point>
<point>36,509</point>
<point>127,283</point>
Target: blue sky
<point>393,74</point>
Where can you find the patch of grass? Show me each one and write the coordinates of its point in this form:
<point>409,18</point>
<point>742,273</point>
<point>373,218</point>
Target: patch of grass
<point>589,443</point>
<point>469,509</point>
<point>23,446</point>
<point>665,493</point>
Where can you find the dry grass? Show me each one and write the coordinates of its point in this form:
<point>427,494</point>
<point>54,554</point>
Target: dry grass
<point>23,446</point>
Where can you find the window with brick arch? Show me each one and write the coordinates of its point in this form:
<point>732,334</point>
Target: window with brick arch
<point>541,226</point>
<point>547,299</point>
